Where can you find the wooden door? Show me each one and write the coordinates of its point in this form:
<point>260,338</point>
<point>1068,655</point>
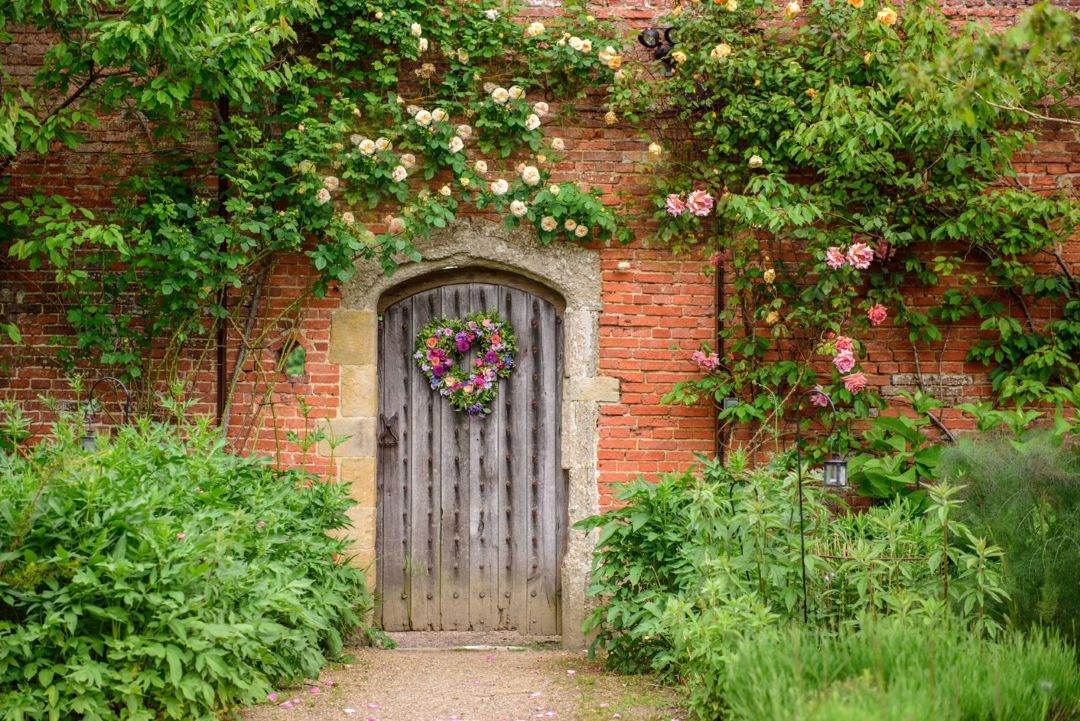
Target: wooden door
<point>472,511</point>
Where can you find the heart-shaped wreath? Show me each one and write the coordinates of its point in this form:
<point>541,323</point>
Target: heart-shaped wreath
<point>444,341</point>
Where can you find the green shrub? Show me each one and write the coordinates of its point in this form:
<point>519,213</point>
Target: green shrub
<point>162,577</point>
<point>717,553</point>
<point>892,671</point>
<point>1024,493</point>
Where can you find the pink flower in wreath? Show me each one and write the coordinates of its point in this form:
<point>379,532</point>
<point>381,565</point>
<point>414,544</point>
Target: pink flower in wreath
<point>877,314</point>
<point>855,382</point>
<point>676,206</point>
<point>700,203</point>
<point>843,343</point>
<point>431,342</point>
<point>860,255</point>
<point>844,362</point>
<point>835,258</point>
<point>486,322</point>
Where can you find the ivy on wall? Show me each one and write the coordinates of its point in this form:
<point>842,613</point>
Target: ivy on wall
<point>340,129</point>
<point>848,160</point>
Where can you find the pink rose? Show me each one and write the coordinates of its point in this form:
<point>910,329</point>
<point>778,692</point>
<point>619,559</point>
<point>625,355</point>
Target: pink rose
<point>700,203</point>
<point>676,206</point>
<point>844,362</point>
<point>818,398</point>
<point>845,344</point>
<point>834,258</point>
<point>707,363</point>
<point>860,255</point>
<point>877,314</point>
<point>855,382</point>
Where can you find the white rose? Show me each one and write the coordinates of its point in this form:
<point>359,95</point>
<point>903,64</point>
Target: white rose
<point>491,14</point>
<point>378,15</point>
<point>586,46</point>
<point>400,173</point>
<point>570,224</point>
<point>305,166</point>
<point>445,190</point>
<point>792,9</point>
<point>323,196</point>
<point>558,144</point>
<point>500,95</point>
<point>356,138</point>
<point>416,30</point>
<point>423,118</point>
<point>581,231</point>
<point>755,161</point>
<point>541,108</point>
<point>480,166</point>
<point>408,160</point>
<point>655,149</point>
<point>530,175</point>
<point>331,183</point>
<point>348,218</point>
<point>382,144</point>
<point>534,29</point>
<point>464,132</point>
<point>576,42</point>
<point>499,187</point>
<point>439,115</point>
<point>456,144</point>
<point>532,122</point>
<point>423,45</point>
<point>548,223</point>
<point>367,146</point>
<point>516,91</point>
<point>489,88</point>
<point>554,190</point>
<point>518,209</point>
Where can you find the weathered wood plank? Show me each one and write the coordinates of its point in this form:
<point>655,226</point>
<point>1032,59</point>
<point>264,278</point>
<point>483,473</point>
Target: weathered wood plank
<point>393,470</point>
<point>425,451</point>
<point>483,507</point>
<point>456,463</point>
<point>513,474</point>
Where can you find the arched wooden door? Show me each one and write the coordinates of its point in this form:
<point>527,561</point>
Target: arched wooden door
<point>472,511</point>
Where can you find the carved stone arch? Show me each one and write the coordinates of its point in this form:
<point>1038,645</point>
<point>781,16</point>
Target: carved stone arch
<point>564,272</point>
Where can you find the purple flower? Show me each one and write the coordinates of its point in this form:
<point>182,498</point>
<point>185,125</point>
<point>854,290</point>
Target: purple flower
<point>438,371</point>
<point>475,409</point>
<point>491,357</point>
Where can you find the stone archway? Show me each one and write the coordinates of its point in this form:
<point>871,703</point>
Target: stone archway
<point>573,272</point>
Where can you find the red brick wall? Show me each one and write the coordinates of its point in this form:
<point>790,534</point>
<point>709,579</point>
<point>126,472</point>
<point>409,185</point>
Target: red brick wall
<point>658,308</point>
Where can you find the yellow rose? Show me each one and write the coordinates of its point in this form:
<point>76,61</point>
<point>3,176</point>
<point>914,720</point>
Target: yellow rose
<point>720,52</point>
<point>769,276</point>
<point>679,56</point>
<point>772,318</point>
<point>792,9</point>
<point>731,6</point>
<point>887,16</point>
<point>813,93</point>
<point>867,57</point>
<point>610,117</point>
<point>855,3</point>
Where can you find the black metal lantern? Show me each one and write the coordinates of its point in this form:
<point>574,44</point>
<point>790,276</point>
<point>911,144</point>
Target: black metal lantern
<point>835,471</point>
<point>730,402</point>
<point>89,439</point>
<point>662,43</point>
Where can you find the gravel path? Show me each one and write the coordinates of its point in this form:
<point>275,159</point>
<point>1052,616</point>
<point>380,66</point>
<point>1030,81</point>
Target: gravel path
<point>470,685</point>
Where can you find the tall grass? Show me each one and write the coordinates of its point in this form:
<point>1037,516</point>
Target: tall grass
<point>894,671</point>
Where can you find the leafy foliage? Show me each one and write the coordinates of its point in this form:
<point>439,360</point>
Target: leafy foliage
<point>702,559</point>
<point>162,577</point>
<point>343,130</point>
<point>859,157</point>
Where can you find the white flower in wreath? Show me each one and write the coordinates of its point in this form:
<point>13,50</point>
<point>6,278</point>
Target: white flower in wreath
<point>499,187</point>
<point>399,174</point>
<point>530,175</point>
<point>548,224</point>
<point>500,95</point>
<point>532,122</point>
<point>456,144</point>
<point>519,209</point>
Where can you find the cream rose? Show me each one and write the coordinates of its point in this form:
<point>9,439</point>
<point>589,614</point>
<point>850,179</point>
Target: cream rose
<point>532,122</point>
<point>534,29</point>
<point>464,132</point>
<point>548,224</point>
<point>367,146</point>
<point>500,95</point>
<point>399,174</point>
<point>530,175</point>
<point>518,209</point>
<point>480,166</point>
<point>439,115</point>
<point>499,187</point>
<point>456,144</point>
